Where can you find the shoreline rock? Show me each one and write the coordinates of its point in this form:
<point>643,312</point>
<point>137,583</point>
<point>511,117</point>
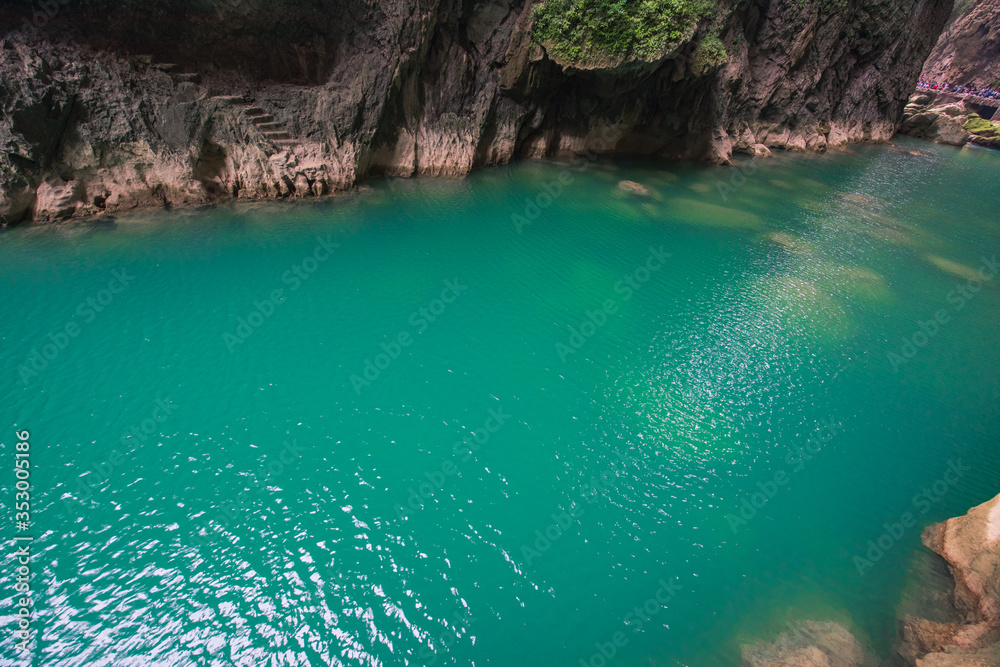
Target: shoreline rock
<point>970,547</point>
<point>286,100</point>
<point>970,544</point>
<point>947,119</point>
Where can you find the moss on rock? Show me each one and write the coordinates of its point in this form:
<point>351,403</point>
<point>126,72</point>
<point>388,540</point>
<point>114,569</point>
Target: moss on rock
<point>984,128</point>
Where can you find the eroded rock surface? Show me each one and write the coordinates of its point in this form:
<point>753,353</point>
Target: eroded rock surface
<point>968,52</point>
<point>970,545</point>
<point>114,104</point>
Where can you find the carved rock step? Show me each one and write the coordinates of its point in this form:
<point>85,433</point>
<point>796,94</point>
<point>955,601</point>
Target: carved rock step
<point>187,77</point>
<point>276,136</point>
<point>227,100</point>
<point>268,125</point>
<point>254,111</point>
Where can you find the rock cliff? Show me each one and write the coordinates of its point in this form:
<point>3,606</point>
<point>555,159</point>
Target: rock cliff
<point>968,52</point>
<point>113,104</point>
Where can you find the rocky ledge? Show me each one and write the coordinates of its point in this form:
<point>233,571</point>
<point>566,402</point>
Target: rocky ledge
<point>949,119</point>
<point>970,546</point>
<point>107,105</point>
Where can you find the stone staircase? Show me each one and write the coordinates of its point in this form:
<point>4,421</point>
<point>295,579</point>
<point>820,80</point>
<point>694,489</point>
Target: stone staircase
<point>272,130</point>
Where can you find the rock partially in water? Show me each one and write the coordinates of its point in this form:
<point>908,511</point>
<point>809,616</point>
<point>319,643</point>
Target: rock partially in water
<point>54,199</point>
<point>941,124</point>
<point>970,545</point>
<point>810,644</point>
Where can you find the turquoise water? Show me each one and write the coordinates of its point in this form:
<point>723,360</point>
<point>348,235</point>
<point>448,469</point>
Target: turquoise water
<point>212,492</point>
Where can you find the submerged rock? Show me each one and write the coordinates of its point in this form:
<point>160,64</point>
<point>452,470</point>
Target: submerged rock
<point>635,188</point>
<point>791,242</point>
<point>809,644</point>
<point>697,212</point>
<point>954,268</point>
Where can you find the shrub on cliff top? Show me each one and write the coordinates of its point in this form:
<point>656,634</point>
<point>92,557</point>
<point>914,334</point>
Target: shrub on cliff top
<point>600,31</point>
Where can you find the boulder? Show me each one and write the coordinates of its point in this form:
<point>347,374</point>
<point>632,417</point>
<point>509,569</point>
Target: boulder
<point>988,142</point>
<point>809,644</point>
<point>55,199</point>
<point>920,637</point>
<point>948,130</point>
<point>634,188</point>
<point>971,546</point>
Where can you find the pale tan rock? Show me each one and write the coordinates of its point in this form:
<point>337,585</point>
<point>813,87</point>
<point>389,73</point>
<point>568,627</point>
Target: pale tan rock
<point>634,188</point>
<point>809,644</point>
<point>971,546</point>
<point>55,199</point>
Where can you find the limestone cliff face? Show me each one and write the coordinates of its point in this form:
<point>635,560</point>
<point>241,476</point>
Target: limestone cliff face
<point>969,50</point>
<point>113,104</point>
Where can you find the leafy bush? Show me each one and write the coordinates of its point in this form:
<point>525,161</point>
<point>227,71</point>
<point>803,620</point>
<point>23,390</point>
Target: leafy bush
<point>709,53</point>
<point>595,31</point>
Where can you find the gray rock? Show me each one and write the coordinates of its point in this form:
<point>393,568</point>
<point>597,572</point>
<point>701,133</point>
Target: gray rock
<point>351,88</point>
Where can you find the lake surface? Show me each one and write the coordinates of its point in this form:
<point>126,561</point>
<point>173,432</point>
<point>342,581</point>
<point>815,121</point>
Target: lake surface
<point>404,427</point>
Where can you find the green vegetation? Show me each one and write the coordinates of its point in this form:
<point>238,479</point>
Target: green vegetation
<point>984,128</point>
<point>600,31</point>
<point>709,53</point>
